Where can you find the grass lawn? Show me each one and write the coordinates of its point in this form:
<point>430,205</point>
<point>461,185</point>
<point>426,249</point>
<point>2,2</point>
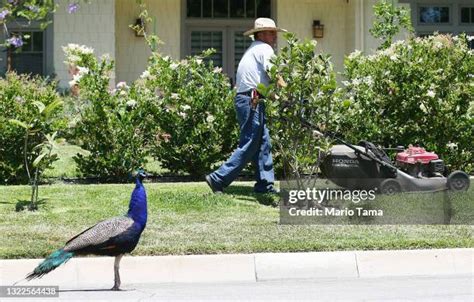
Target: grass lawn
<point>184,218</point>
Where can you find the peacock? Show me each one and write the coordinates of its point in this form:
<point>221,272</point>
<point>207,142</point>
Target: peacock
<point>113,237</point>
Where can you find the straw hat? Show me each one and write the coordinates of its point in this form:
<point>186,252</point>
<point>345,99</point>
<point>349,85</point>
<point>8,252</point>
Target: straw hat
<point>263,24</point>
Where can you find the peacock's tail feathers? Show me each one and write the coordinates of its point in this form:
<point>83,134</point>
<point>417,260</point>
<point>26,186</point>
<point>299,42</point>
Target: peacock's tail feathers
<point>52,262</point>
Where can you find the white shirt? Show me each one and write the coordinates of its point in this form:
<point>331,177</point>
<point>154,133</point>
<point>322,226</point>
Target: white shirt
<point>253,67</point>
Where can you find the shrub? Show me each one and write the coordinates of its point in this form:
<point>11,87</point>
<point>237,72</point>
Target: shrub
<point>308,96</point>
<point>27,104</point>
<point>195,113</point>
<point>419,91</point>
<point>114,125</point>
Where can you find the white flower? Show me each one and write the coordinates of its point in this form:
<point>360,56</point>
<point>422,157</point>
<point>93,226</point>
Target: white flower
<point>122,85</point>
<point>431,93</point>
<point>314,43</point>
<point>174,65</point>
<point>145,75</point>
<point>438,45</point>
<point>86,50</point>
<point>452,145</point>
<point>81,49</point>
<point>355,54</point>
<point>388,52</point>
<point>75,79</point>
<point>175,96</point>
<point>368,80</point>
<point>346,83</point>
<point>82,70</point>
<point>182,114</point>
<point>131,103</point>
<point>398,43</point>
<point>372,58</point>
<point>73,59</point>
<point>123,93</point>
<point>199,61</point>
<point>423,108</point>
<point>217,70</point>
<point>166,58</point>
<point>20,99</point>
<point>185,107</point>
<point>470,38</point>
<point>356,82</point>
<point>210,118</point>
<point>394,58</point>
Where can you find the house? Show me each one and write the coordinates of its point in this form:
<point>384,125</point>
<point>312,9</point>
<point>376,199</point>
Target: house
<point>190,26</point>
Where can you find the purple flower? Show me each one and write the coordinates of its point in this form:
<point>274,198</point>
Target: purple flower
<point>14,2</point>
<point>33,8</point>
<point>15,41</point>
<point>3,14</point>
<point>73,7</point>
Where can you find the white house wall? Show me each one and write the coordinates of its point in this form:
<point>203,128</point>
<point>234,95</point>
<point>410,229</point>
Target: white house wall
<point>132,52</point>
<point>297,16</point>
<point>92,25</point>
<point>346,24</point>
<point>104,25</point>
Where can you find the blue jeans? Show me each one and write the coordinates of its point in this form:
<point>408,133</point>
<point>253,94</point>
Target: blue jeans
<point>254,145</point>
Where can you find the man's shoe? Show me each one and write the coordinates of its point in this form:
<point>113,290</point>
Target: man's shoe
<point>214,188</point>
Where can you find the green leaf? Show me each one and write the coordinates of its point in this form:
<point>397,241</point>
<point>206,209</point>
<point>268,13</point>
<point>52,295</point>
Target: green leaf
<point>262,89</point>
<point>39,105</point>
<point>51,107</point>
<point>18,123</point>
<point>39,159</point>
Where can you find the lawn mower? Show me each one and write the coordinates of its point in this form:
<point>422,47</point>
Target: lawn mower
<point>365,166</point>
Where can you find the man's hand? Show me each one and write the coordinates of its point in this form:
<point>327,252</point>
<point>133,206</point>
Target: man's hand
<point>280,82</point>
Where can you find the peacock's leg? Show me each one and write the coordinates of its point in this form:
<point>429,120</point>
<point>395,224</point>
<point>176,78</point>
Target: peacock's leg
<point>116,272</point>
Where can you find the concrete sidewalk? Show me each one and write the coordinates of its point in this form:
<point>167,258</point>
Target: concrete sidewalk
<point>93,271</point>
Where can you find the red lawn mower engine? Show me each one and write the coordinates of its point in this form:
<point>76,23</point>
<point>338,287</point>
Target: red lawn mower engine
<point>417,162</point>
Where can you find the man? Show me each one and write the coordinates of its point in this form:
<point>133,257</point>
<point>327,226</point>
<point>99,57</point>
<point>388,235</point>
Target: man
<point>254,142</point>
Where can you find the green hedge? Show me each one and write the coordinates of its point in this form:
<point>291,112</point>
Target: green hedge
<point>419,91</point>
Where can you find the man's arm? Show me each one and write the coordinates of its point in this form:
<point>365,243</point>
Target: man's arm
<point>268,54</point>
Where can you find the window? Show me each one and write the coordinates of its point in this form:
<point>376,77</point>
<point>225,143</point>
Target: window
<point>202,40</point>
<point>467,15</point>
<point>434,14</point>
<point>220,24</point>
<point>228,9</point>
<point>30,58</point>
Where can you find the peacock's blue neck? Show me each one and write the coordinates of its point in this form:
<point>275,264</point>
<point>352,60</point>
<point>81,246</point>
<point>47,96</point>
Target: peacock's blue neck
<point>137,209</point>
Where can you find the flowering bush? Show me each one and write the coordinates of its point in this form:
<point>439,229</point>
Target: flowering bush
<point>115,125</point>
<point>308,96</point>
<point>195,115</point>
<point>419,91</point>
<point>29,110</point>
